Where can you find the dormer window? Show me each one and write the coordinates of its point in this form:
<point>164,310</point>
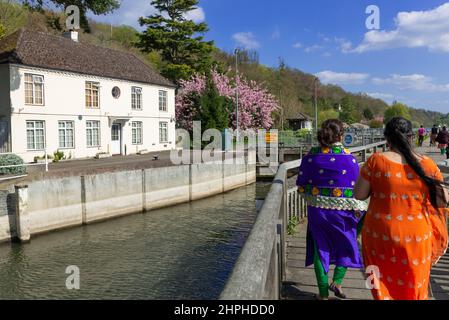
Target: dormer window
<point>34,89</point>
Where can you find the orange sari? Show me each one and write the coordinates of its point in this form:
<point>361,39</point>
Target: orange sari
<point>403,235</point>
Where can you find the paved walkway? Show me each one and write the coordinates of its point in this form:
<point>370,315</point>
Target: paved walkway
<point>432,152</point>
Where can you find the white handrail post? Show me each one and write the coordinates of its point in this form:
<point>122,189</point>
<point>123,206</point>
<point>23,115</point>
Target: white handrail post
<point>46,160</point>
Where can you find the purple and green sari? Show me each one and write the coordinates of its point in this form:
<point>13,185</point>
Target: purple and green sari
<point>326,180</point>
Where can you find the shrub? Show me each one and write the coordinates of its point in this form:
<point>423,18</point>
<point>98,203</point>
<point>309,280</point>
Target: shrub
<point>376,124</point>
<point>38,158</point>
<point>58,156</point>
<point>11,160</point>
<point>292,224</point>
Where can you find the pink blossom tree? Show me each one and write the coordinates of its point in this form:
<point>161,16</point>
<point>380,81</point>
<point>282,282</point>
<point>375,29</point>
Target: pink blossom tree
<point>256,104</point>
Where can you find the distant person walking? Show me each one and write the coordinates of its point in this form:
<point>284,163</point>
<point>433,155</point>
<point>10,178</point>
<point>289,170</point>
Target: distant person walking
<point>443,140</point>
<point>421,135</point>
<point>433,135</point>
<point>327,177</point>
<point>405,230</point>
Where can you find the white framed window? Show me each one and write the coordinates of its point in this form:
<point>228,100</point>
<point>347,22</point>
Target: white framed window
<point>93,133</point>
<point>34,89</point>
<point>137,132</point>
<point>92,95</point>
<point>35,135</point>
<point>136,98</point>
<point>162,100</point>
<point>66,134</point>
<point>163,132</point>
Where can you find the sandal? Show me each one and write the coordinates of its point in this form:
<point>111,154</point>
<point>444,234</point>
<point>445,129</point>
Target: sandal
<point>320,298</point>
<point>337,291</point>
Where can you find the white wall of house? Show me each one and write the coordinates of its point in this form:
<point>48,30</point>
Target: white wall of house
<point>64,100</point>
<point>307,125</point>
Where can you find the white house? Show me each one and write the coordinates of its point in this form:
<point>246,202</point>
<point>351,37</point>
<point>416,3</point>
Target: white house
<point>60,94</point>
<point>301,121</point>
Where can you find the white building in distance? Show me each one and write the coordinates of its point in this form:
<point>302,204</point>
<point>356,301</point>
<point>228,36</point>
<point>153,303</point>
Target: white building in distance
<point>58,94</point>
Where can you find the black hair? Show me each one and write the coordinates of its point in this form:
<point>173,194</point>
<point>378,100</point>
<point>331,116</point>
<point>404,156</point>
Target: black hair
<point>398,133</point>
<point>331,132</point>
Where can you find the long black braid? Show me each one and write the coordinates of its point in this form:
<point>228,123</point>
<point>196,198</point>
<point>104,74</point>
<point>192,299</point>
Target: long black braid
<point>398,133</point>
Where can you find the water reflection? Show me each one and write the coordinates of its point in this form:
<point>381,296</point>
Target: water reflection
<point>183,252</point>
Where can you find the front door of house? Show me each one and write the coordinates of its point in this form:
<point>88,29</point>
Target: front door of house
<point>116,139</point>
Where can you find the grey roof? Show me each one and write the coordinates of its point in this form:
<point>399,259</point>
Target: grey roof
<point>300,116</point>
<point>47,51</point>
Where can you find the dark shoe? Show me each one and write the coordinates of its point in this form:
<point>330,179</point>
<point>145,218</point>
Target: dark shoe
<point>338,293</point>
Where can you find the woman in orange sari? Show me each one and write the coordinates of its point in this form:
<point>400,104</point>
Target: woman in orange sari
<point>405,231</point>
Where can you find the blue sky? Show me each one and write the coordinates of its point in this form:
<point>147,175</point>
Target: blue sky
<point>406,60</point>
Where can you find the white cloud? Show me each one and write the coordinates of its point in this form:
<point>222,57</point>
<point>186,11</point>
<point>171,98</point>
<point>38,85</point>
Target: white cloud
<point>331,77</point>
<point>297,45</point>
<point>417,82</point>
<point>383,96</point>
<point>276,34</point>
<point>345,45</point>
<point>246,40</point>
<point>197,15</point>
<point>314,48</point>
<point>416,29</point>
<point>129,13</point>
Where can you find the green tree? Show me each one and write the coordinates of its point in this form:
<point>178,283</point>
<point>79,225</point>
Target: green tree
<point>214,109</point>
<point>397,110</point>
<point>2,31</point>
<point>326,115</point>
<point>12,16</point>
<point>97,7</point>
<point>368,114</point>
<point>348,109</point>
<point>179,40</point>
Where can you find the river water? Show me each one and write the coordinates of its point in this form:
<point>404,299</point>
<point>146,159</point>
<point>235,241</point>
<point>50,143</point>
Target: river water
<point>182,252</point>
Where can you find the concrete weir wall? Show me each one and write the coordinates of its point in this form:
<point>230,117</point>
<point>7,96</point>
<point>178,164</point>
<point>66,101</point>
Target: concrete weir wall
<point>48,205</point>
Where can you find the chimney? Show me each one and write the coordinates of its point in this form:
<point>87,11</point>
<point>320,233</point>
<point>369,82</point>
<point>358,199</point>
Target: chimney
<point>72,35</point>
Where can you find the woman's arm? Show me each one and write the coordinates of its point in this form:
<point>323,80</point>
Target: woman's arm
<point>362,190</point>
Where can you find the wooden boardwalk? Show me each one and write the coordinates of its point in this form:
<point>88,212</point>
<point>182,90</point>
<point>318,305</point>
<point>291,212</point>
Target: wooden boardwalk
<point>301,284</point>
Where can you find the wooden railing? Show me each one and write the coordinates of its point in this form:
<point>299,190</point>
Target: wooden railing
<point>297,207</point>
<point>260,268</point>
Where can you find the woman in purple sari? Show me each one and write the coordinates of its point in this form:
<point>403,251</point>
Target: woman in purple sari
<point>326,180</point>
